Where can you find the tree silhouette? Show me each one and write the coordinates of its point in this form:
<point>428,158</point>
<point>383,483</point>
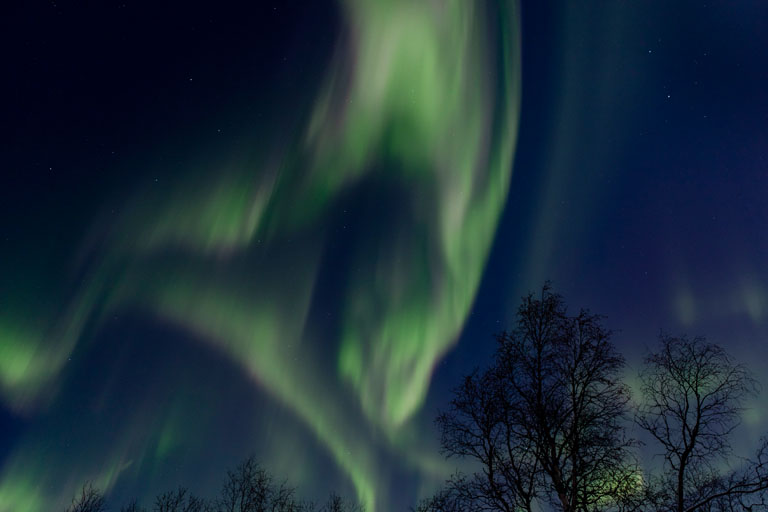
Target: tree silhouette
<point>460,495</point>
<point>250,488</point>
<point>545,422</point>
<point>336,503</point>
<point>693,396</point>
<point>132,506</point>
<point>478,426</point>
<point>443,501</point>
<point>247,488</point>
<point>90,499</point>
<point>180,500</point>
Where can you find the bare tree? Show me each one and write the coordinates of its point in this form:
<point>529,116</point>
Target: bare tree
<point>180,500</point>
<point>480,425</point>
<point>465,493</point>
<point>90,499</point>
<point>336,503</point>
<point>445,500</point>
<point>250,488</point>
<point>132,506</point>
<point>546,420</point>
<point>693,396</point>
<point>564,373</point>
<point>247,488</point>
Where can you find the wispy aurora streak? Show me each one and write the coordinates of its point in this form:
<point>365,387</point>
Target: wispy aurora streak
<point>424,95</point>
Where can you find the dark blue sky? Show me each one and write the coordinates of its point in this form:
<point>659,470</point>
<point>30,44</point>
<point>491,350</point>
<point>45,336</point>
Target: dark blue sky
<point>638,187</point>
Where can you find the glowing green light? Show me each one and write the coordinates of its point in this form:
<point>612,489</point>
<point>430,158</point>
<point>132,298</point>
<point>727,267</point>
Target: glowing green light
<point>425,95</point>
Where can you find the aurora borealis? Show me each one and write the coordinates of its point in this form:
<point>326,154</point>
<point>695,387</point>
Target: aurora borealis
<point>288,229</point>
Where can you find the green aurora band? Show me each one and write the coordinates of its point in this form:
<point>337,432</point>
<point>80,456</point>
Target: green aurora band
<point>420,95</point>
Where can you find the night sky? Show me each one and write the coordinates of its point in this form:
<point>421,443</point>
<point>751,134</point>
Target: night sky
<point>288,228</point>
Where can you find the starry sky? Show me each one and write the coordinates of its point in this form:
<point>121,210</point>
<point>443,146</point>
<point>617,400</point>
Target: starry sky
<point>288,228</point>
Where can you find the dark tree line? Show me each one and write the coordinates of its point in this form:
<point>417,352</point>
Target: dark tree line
<point>546,424</point>
<point>247,488</point>
<point>546,427</point>
<point>693,396</point>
